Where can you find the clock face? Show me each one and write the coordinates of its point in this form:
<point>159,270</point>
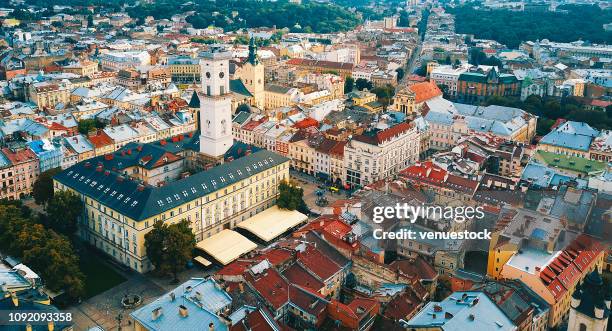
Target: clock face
<point>207,74</point>
<point>221,74</point>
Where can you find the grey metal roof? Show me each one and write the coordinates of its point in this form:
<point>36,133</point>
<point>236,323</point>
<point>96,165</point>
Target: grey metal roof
<point>124,195</point>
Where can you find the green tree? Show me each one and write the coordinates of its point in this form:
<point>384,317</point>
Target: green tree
<point>349,84</point>
<point>422,70</point>
<point>63,211</point>
<point>42,189</point>
<point>90,22</point>
<point>403,20</point>
<point>47,253</point>
<point>291,196</point>
<point>362,83</point>
<point>384,94</point>
<point>444,89</point>
<point>351,280</point>
<point>447,60</point>
<point>87,125</point>
<point>170,247</point>
<point>53,257</point>
<point>400,73</point>
<point>524,26</point>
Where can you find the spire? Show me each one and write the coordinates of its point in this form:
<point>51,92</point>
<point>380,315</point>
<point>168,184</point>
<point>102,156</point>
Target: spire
<point>253,52</point>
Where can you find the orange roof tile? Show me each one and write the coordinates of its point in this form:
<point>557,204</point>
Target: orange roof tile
<point>425,91</point>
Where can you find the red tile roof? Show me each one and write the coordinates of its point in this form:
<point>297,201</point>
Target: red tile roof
<point>305,123</point>
<point>425,91</point>
<point>255,321</point>
<point>384,135</point>
<point>365,304</point>
<point>561,273</point>
<point>276,256</point>
<point>417,268</point>
<point>337,229</point>
<point>296,274</point>
<point>235,268</point>
<point>425,171</point>
<point>428,173</point>
<point>308,301</point>
<point>271,286</point>
<point>57,127</point>
<point>402,306</point>
<point>100,139</point>
<point>319,264</point>
<point>338,149</point>
<point>19,156</point>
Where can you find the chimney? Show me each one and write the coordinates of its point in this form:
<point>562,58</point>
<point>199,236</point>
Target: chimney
<point>172,296</point>
<point>211,326</point>
<point>156,313</point>
<point>198,296</point>
<point>471,317</point>
<point>50,326</point>
<point>183,311</point>
<point>28,327</point>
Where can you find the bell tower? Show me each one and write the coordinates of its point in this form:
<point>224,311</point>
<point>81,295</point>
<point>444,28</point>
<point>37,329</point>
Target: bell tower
<point>215,103</point>
<point>253,75</point>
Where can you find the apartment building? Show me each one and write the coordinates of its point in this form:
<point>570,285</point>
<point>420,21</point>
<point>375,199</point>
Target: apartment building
<point>377,154</point>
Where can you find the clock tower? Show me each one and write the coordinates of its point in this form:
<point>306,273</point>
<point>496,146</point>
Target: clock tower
<point>215,103</point>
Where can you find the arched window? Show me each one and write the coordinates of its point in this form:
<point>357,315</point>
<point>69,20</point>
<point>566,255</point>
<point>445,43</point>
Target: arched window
<point>582,327</point>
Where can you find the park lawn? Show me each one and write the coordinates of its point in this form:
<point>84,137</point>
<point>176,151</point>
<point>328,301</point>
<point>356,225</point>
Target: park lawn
<point>99,277</point>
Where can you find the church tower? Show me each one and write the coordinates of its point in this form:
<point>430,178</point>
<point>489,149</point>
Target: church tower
<point>215,103</point>
<point>590,305</point>
<point>253,75</point>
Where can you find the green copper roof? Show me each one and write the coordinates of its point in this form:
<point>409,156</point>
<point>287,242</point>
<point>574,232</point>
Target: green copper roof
<point>237,86</point>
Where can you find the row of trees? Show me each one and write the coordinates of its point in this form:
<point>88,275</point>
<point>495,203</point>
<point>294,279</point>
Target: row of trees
<point>44,241</point>
<point>232,15</point>
<point>45,250</point>
<point>568,23</point>
<point>360,84</point>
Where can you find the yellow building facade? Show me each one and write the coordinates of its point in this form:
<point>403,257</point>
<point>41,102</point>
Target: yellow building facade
<point>212,200</point>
